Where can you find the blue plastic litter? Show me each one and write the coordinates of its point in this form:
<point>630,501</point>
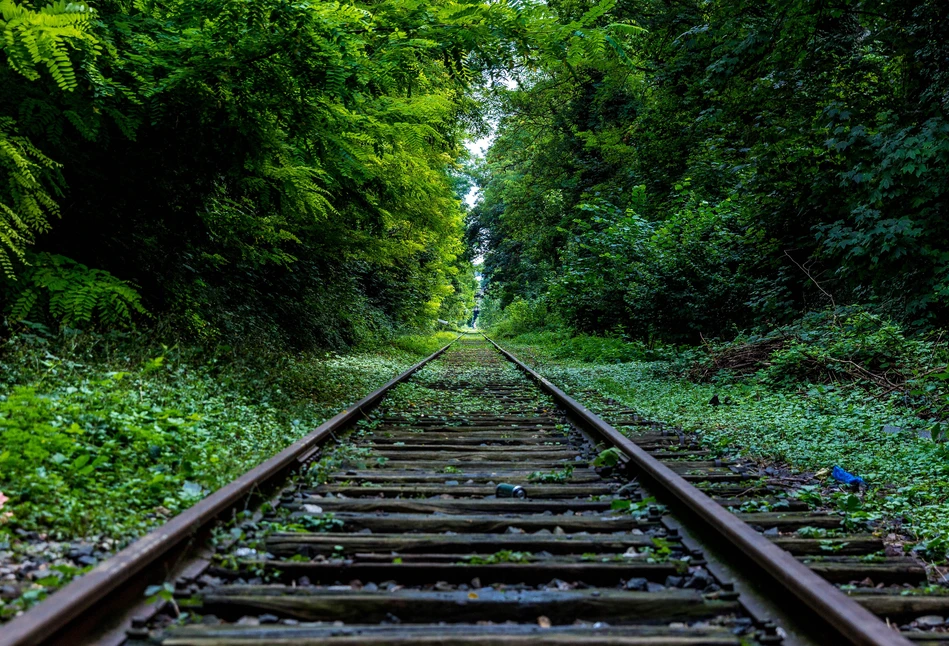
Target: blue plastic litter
<point>840,475</point>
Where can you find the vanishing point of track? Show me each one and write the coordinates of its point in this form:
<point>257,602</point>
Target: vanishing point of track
<point>399,534</point>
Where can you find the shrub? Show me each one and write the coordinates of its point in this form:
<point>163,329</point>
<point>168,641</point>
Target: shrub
<point>522,316</point>
<point>68,293</point>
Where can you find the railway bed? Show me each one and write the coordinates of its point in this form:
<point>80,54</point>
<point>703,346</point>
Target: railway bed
<point>398,533</point>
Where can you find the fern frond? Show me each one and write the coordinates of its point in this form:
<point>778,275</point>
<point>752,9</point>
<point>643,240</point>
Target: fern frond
<point>74,295</point>
<point>41,38</point>
<point>25,203</point>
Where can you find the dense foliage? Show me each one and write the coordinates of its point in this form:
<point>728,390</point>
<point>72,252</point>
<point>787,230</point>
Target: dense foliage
<point>253,168</point>
<point>271,167</point>
<point>742,162</point>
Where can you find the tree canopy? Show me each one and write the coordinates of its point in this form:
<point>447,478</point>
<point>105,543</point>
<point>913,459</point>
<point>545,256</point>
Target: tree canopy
<point>262,166</point>
<point>737,164</point>
<point>296,169</point>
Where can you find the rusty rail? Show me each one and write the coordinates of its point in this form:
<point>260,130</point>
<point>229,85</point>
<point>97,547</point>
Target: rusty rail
<point>854,622</point>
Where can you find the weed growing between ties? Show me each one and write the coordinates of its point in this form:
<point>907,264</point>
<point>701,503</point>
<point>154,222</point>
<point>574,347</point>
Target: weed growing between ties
<point>811,426</point>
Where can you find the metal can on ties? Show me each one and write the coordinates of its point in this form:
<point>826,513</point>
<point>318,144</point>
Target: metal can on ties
<point>505,490</point>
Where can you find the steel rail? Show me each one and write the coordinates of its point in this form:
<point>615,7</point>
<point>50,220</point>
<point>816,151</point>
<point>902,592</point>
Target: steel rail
<point>66,606</point>
<point>855,623</point>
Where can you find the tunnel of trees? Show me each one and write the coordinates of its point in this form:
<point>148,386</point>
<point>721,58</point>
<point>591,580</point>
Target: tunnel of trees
<point>664,169</point>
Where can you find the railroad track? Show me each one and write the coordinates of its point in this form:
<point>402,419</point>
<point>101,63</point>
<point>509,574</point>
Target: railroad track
<point>411,529</point>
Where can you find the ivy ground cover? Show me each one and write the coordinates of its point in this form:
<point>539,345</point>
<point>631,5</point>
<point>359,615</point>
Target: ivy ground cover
<point>811,428</point>
<point>102,439</point>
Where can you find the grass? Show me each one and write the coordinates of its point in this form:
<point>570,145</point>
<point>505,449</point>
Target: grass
<point>808,426</point>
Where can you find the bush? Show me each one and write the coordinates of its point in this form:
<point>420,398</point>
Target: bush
<point>521,317</point>
<point>591,349</point>
<point>62,291</point>
<point>422,344</point>
<point>846,344</point>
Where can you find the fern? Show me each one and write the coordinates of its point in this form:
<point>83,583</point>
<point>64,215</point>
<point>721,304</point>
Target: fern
<point>32,40</point>
<point>41,38</point>
<point>25,204</point>
<point>74,295</point>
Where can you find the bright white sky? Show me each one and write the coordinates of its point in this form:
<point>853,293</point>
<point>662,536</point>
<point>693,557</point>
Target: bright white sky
<point>477,148</point>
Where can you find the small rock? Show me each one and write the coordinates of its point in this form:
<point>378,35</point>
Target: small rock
<point>87,560</point>
<point>451,483</point>
<point>889,429</point>
<point>543,622</point>
<point>80,550</point>
<point>930,621</point>
<point>771,532</point>
<point>637,583</point>
<point>370,587</point>
<point>313,509</point>
<point>248,621</point>
<point>674,581</point>
<point>654,587</point>
<point>698,581</point>
<point>268,619</point>
<point>304,580</point>
<point>289,622</point>
<point>518,530</point>
<point>364,530</point>
<point>476,583</point>
<point>558,531</point>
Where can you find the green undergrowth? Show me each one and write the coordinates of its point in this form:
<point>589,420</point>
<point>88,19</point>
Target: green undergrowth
<point>111,435</point>
<point>803,418</point>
